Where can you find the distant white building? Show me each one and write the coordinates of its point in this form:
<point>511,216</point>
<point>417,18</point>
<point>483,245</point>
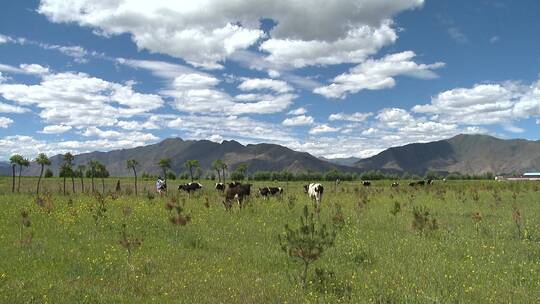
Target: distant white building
<point>529,176</point>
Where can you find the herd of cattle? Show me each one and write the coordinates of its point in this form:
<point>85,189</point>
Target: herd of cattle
<point>239,191</point>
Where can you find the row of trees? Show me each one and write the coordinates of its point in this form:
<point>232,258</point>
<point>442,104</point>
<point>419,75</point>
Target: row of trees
<point>95,169</point>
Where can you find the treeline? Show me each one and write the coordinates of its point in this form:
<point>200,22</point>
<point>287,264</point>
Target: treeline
<point>284,175</point>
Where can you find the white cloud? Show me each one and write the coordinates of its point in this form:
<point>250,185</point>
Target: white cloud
<point>5,122</point>
<point>355,117</point>
<point>494,39</point>
<point>7,108</point>
<point>91,101</point>
<point>206,33</point>
<point>377,74</point>
<point>301,120</point>
<point>30,147</point>
<point>482,104</point>
<point>116,135</point>
<point>244,129</point>
<point>457,35</point>
<point>151,124</point>
<point>298,111</point>
<point>4,39</point>
<point>322,128</point>
<point>278,86</point>
<point>35,69</point>
<point>354,47</point>
<point>55,129</point>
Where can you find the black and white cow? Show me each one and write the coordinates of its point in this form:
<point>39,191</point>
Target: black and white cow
<point>189,187</point>
<point>270,191</point>
<point>418,183</point>
<point>220,187</point>
<point>238,192</point>
<point>234,184</point>
<point>395,184</point>
<point>315,192</point>
<point>366,183</point>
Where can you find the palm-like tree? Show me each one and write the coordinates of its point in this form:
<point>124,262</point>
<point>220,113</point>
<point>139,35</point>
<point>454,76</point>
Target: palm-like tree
<point>14,160</point>
<point>102,173</point>
<point>93,165</point>
<point>68,160</point>
<point>42,160</point>
<point>24,163</point>
<point>216,165</point>
<point>190,164</point>
<point>81,169</point>
<point>223,168</point>
<point>132,164</point>
<point>164,164</point>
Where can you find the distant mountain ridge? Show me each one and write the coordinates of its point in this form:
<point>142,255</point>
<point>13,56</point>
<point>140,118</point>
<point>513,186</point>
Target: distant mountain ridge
<point>467,154</point>
<point>267,157</point>
<point>471,154</point>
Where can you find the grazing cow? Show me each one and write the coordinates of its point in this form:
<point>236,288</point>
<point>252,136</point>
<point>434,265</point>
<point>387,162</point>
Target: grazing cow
<point>161,186</point>
<point>430,181</point>
<point>418,183</point>
<point>189,187</point>
<point>238,192</point>
<point>315,192</point>
<point>234,184</point>
<point>266,191</point>
<point>220,187</point>
<point>366,183</point>
<point>395,184</point>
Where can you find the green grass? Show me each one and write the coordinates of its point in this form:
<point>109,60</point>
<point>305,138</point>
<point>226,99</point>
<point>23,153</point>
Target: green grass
<point>235,257</point>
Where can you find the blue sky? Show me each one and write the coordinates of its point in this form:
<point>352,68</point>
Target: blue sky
<point>333,78</point>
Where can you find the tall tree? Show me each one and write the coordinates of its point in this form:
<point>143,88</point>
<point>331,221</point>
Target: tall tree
<point>81,169</point>
<point>102,173</point>
<point>223,168</point>
<point>23,163</point>
<point>68,160</point>
<point>190,165</point>
<point>132,164</point>
<point>93,165</point>
<point>67,170</point>
<point>164,164</point>
<point>216,165</point>
<point>42,160</point>
<point>14,160</point>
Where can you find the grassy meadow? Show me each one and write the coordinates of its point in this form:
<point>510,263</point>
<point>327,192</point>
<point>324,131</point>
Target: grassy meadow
<point>479,243</point>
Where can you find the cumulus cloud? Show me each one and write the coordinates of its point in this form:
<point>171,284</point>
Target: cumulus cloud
<point>5,122</point>
<point>56,129</point>
<point>7,108</point>
<point>278,86</point>
<point>322,128</point>
<point>206,33</point>
<point>24,69</point>
<point>77,99</point>
<point>377,74</point>
<point>30,146</point>
<point>301,120</point>
<point>298,111</point>
<point>485,104</point>
<point>355,117</point>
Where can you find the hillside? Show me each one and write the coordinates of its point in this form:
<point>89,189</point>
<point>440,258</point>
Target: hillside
<point>258,157</point>
<point>462,153</point>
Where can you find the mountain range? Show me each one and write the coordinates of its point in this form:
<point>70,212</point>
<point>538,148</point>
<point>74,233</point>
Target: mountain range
<point>259,157</point>
<point>472,154</point>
